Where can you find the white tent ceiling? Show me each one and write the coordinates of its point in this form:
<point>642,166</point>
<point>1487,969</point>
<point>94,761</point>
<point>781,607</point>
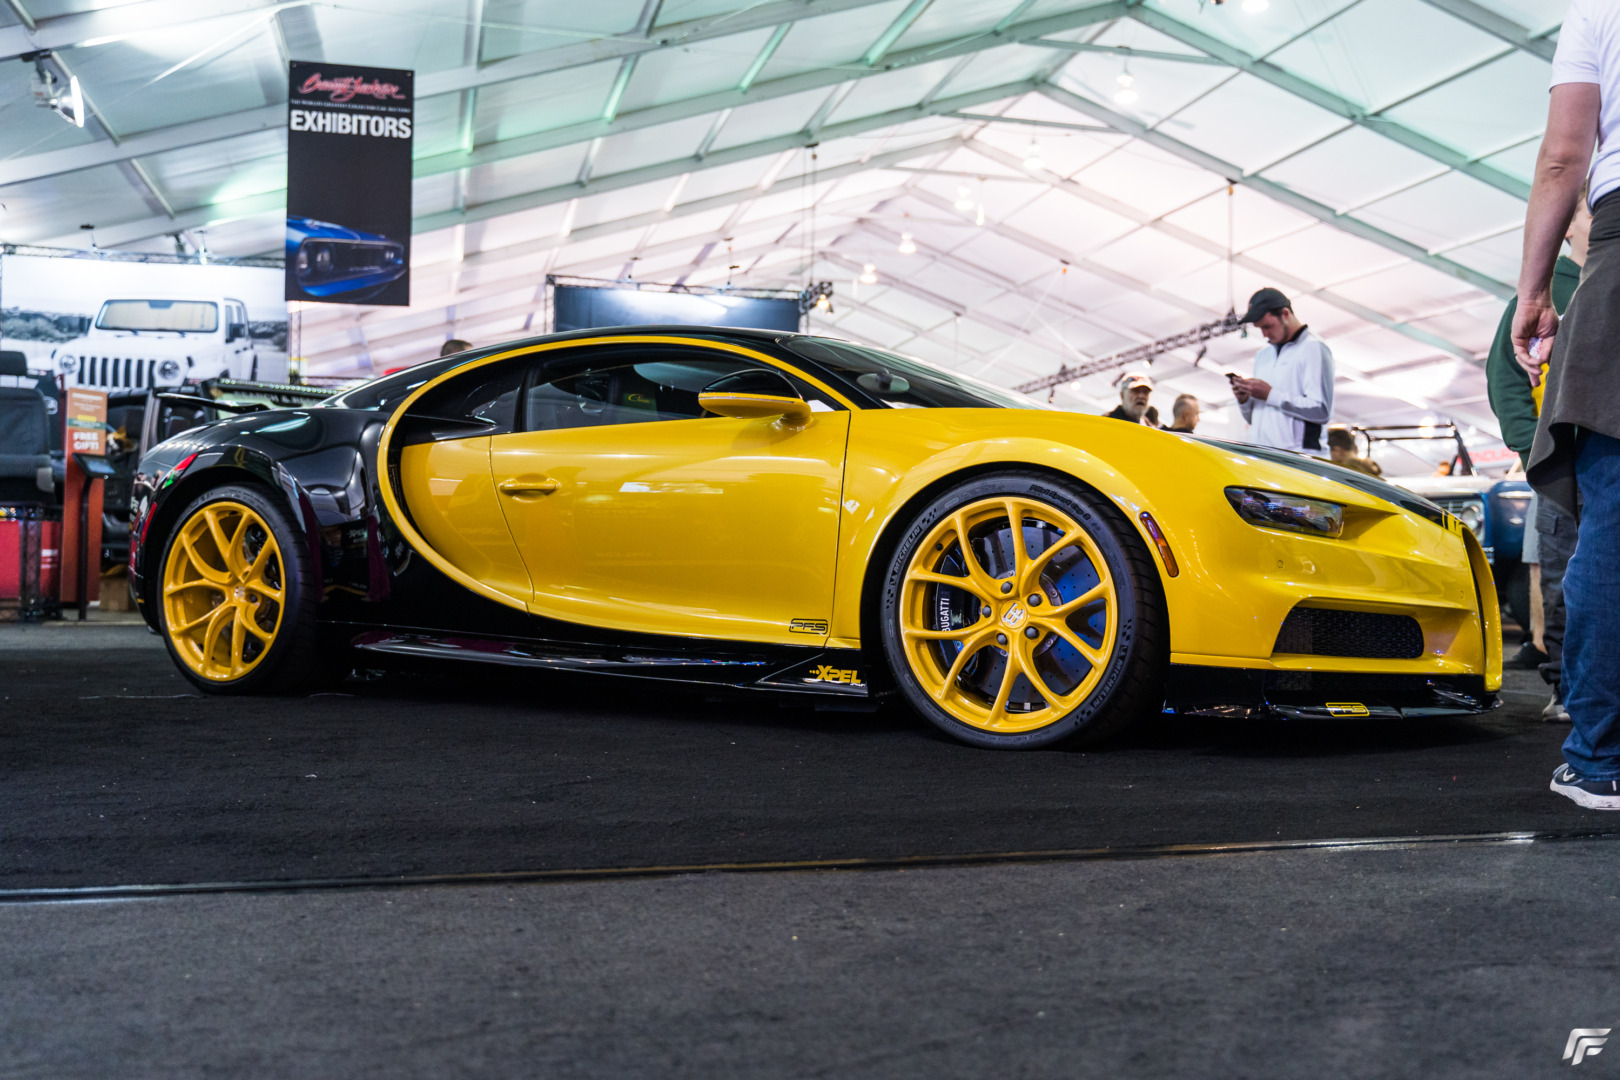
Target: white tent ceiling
<point>1378,153</point>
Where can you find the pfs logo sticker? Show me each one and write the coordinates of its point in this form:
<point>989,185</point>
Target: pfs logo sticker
<point>828,673</point>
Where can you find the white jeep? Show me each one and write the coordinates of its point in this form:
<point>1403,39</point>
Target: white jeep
<point>160,342</point>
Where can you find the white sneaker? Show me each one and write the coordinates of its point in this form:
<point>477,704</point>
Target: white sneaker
<point>1555,713</point>
<point>1592,794</point>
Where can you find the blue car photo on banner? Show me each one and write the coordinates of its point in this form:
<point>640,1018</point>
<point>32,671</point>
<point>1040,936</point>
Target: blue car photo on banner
<point>349,137</point>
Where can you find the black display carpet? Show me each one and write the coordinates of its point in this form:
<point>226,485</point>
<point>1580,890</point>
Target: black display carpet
<point>114,772</point>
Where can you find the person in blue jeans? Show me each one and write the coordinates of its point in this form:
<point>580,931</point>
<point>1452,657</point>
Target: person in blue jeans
<point>1575,459</point>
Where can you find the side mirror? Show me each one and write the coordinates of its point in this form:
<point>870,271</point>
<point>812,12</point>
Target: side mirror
<point>756,394</point>
<point>235,332</point>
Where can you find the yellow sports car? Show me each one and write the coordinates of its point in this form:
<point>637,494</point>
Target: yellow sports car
<point>796,513</point>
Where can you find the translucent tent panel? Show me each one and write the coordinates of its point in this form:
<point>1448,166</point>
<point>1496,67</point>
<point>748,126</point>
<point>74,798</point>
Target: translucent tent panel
<point>129,85</point>
<point>1002,67</point>
<point>1065,221</point>
<point>503,179</point>
<point>1251,123</point>
<point>556,99</point>
<point>1148,179</point>
<point>681,11</point>
<point>514,27</point>
<point>1356,56</point>
<point>1239,216</point>
<point>1451,206</point>
<point>1324,256</point>
<point>418,35</point>
<point>751,123</point>
<point>1540,17</point>
<point>895,90</point>
<point>439,126</point>
<point>1143,254</point>
<point>221,171</point>
<point>1490,109</point>
<point>1107,242</point>
<point>1157,88</point>
<point>1518,161</point>
<point>830,41</point>
<point>705,67</point>
<point>635,149</point>
<point>1497,256</point>
<point>1255,32</point>
<point>1352,168</point>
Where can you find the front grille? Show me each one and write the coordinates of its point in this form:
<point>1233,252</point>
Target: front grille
<point>1325,632</point>
<point>117,372</point>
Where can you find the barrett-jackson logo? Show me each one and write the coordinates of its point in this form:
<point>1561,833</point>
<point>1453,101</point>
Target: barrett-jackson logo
<point>350,87</point>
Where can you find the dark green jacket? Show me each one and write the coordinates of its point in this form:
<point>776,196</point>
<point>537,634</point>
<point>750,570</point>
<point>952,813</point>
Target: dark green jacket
<point>1505,380</point>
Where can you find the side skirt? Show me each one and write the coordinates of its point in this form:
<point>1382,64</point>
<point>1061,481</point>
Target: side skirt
<point>832,672</point>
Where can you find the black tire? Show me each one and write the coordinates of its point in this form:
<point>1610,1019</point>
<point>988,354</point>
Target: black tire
<point>1133,672</point>
<point>292,662</point>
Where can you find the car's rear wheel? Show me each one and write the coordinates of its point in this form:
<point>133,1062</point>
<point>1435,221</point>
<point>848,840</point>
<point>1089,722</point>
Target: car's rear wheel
<point>1023,635</point>
<point>237,607</point>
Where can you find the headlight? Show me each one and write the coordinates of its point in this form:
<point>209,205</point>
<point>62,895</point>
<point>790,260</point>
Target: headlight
<point>169,369</point>
<point>1295,513</point>
<point>67,363</point>
<point>1472,515</point>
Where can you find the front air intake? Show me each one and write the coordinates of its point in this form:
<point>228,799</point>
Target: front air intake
<point>1325,632</point>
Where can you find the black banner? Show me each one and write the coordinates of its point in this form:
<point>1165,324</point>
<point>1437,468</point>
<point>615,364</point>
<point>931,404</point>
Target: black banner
<point>349,184</point>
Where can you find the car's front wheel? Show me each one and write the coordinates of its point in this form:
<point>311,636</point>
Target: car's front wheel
<point>236,605</point>
<point>1019,611</point>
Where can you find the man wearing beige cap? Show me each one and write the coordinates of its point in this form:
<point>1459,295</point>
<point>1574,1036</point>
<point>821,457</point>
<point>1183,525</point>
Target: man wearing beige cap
<point>1134,391</point>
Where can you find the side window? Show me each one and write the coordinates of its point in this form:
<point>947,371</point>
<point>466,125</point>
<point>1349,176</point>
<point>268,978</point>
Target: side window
<point>633,385</point>
<point>482,401</point>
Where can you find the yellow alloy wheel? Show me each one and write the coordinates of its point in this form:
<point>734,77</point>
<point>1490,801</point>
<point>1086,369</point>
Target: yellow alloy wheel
<point>1008,627</point>
<point>223,591</point>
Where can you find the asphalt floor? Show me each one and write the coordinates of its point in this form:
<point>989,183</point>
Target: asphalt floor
<point>1407,958</point>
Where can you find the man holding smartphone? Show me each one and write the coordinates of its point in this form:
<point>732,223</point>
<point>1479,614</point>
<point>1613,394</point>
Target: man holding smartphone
<point>1290,398</point>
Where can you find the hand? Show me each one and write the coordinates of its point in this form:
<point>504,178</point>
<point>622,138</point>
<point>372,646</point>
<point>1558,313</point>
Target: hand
<point>1535,318</point>
<point>1240,390</point>
<point>1257,388</point>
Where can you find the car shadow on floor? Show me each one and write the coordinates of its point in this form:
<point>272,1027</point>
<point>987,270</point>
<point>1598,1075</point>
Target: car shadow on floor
<point>619,698</point>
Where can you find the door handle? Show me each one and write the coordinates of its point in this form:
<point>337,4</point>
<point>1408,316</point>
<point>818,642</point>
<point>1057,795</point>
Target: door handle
<point>543,486</point>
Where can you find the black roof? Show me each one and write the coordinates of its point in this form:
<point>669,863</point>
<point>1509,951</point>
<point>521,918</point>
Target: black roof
<point>361,396</point>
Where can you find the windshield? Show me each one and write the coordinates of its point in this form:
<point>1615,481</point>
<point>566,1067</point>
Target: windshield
<point>178,316</point>
<point>902,382</point>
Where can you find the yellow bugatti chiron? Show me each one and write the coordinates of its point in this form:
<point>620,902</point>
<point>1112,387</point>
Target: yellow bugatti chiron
<point>803,514</point>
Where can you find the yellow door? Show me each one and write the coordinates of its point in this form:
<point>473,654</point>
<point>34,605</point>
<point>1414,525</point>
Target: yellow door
<point>635,510</point>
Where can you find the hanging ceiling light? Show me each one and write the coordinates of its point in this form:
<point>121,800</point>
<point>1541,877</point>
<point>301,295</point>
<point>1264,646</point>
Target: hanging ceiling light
<point>869,274</point>
<point>1126,94</point>
<point>54,89</point>
<point>1032,157</point>
<point>908,246</point>
<point>964,198</point>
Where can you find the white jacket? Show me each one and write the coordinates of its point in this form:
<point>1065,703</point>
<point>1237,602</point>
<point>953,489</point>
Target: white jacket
<point>1301,375</point>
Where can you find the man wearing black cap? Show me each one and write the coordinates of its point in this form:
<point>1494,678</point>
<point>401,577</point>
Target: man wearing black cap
<point>1290,397</point>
